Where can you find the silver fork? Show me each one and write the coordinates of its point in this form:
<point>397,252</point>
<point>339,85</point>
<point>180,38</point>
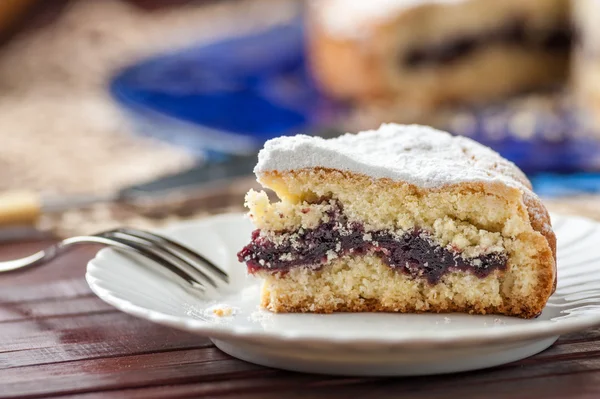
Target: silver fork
<point>199,273</point>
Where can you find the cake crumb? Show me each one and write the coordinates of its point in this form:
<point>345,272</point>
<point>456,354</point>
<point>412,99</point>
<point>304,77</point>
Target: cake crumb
<point>223,312</point>
<point>331,255</point>
<point>286,257</point>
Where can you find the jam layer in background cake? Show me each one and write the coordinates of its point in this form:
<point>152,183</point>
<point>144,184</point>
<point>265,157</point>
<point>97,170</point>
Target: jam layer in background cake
<point>414,252</point>
<point>514,33</point>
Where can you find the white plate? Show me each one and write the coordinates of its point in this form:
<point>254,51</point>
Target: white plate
<point>350,343</point>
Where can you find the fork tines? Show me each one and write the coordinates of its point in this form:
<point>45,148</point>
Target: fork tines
<point>179,259</point>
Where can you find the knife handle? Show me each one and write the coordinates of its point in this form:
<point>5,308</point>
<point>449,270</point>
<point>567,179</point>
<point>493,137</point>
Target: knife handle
<point>19,207</point>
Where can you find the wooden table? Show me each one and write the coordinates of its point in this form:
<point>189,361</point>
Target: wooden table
<point>57,339</point>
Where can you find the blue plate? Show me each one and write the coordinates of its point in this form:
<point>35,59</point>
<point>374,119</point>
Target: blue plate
<point>229,96</point>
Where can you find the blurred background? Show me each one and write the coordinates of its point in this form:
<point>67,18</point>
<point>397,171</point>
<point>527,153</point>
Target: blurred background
<point>143,112</point>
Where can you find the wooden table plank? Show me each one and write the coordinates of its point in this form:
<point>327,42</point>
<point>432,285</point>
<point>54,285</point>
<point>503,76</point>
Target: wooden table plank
<point>591,334</point>
<point>279,387</point>
<point>64,288</point>
<point>86,337</point>
<point>125,372</point>
<point>58,307</point>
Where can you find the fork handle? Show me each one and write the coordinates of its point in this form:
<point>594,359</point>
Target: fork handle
<point>19,207</point>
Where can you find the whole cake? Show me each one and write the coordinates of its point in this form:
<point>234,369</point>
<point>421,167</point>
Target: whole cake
<point>402,219</point>
<point>428,53</point>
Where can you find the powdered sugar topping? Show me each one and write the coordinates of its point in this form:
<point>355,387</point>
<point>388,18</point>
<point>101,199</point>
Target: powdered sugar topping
<point>416,154</point>
<point>351,18</point>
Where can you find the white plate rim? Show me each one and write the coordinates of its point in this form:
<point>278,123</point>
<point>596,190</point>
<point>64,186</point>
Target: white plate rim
<point>466,337</point>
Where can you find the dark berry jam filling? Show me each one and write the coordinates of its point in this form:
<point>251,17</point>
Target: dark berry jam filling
<point>413,253</point>
<point>516,32</point>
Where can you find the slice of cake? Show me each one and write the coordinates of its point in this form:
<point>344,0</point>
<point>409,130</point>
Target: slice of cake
<point>402,219</point>
<point>436,52</point>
